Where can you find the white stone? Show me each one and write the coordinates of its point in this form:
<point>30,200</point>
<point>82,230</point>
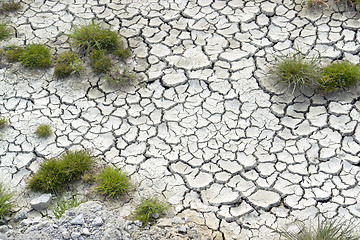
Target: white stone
<point>41,203</point>
<point>78,220</point>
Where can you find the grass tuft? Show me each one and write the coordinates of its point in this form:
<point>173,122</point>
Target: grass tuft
<point>295,70</point>
<point>13,53</point>
<point>99,62</point>
<point>54,174</point>
<point>96,41</point>
<point>123,53</point>
<point>357,3</point>
<point>325,230</point>
<point>339,76</point>
<point>120,78</point>
<point>62,204</point>
<point>3,122</point>
<point>94,37</point>
<point>112,182</point>
<point>10,6</point>
<point>35,56</point>
<point>4,31</point>
<point>149,210</point>
<point>5,201</point>
<point>67,63</point>
<point>315,3</point>
<point>43,131</point>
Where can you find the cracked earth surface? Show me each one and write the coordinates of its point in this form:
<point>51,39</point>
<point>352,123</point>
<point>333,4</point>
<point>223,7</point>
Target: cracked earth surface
<point>205,128</point>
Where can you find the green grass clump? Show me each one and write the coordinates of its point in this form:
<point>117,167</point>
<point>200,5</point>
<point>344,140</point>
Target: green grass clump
<point>2,53</point>
<point>10,6</point>
<point>5,201</point>
<point>99,62</point>
<point>149,210</point>
<point>325,230</point>
<point>94,37</point>
<point>4,31</point>
<point>13,53</point>
<point>96,41</point>
<point>67,63</point>
<point>54,174</point>
<point>315,3</point>
<point>123,53</point>
<point>35,56</point>
<point>295,70</point>
<point>112,182</point>
<point>43,131</point>
<point>357,3</point>
<point>120,78</point>
<point>339,76</point>
<point>3,122</point>
<point>62,204</point>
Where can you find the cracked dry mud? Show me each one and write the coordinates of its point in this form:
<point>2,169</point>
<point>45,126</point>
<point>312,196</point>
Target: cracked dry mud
<point>205,128</point>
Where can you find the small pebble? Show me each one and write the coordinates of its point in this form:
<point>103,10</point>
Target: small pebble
<point>4,229</point>
<point>66,235</point>
<point>182,229</point>
<point>78,220</point>
<point>86,231</point>
<point>3,237</point>
<point>155,215</point>
<point>97,222</point>
<point>75,235</point>
<point>138,223</point>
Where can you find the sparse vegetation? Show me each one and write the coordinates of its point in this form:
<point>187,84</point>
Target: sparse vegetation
<point>76,66</point>
<point>3,122</point>
<point>120,78</point>
<point>13,53</point>
<point>4,31</point>
<point>123,53</point>
<point>339,76</point>
<point>112,182</point>
<point>96,41</point>
<point>2,53</point>
<point>10,6</point>
<point>325,230</point>
<point>67,63</point>
<point>350,2</point>
<point>357,3</point>
<point>5,201</point>
<point>94,37</point>
<point>316,3</point>
<point>43,131</point>
<point>35,56</point>
<point>295,70</point>
<point>62,204</point>
<point>149,210</point>
<point>54,174</point>
<point>99,62</point>
<point>90,176</point>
